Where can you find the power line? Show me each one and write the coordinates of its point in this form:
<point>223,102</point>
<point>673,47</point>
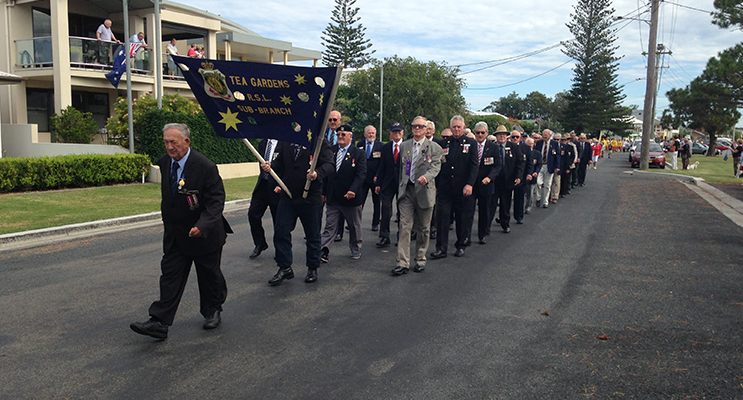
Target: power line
<point>524,80</point>
<point>690,8</point>
<point>682,68</point>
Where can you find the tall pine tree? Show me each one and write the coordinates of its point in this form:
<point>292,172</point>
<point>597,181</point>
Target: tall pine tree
<point>344,40</point>
<point>594,99</point>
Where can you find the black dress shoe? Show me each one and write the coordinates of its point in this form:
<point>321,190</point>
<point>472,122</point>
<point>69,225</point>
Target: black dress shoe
<point>520,222</point>
<point>433,236</point>
<point>487,232</point>
<point>438,254</point>
<point>383,242</point>
<point>419,268</point>
<point>311,275</point>
<point>413,235</point>
<point>280,276</point>
<point>506,230</point>
<point>338,238</point>
<point>153,328</point>
<point>258,250</point>
<point>497,220</point>
<point>213,321</point>
<point>375,228</point>
<point>451,227</point>
<point>459,253</point>
<point>482,241</point>
<point>467,242</point>
<point>399,271</point>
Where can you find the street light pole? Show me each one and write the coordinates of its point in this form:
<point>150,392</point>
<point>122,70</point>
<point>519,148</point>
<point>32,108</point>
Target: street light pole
<point>648,120</point>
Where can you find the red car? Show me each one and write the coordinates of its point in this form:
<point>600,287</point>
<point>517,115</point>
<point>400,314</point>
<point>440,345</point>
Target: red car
<point>657,156</point>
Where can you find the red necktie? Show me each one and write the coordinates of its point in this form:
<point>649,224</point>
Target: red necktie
<point>479,151</point>
<point>395,153</point>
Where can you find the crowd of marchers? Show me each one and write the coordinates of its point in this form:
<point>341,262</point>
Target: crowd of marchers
<point>429,186</point>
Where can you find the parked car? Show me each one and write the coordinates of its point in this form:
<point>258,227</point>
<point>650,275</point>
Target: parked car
<point>698,148</point>
<point>632,148</point>
<point>657,156</point>
<point>722,144</point>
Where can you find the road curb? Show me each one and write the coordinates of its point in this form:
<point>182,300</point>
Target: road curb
<point>38,237</point>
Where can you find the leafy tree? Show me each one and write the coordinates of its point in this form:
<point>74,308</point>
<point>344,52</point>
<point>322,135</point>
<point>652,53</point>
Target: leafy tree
<point>73,126</point>
<point>118,124</point>
<point>667,121</point>
<point>537,106</point>
<point>594,99</point>
<point>343,40</point>
<point>730,13</point>
<point>727,70</point>
<point>511,106</point>
<point>706,106</point>
<point>411,88</point>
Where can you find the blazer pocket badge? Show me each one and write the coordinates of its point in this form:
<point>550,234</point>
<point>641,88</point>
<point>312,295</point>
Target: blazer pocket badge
<point>377,154</point>
<point>192,199</point>
<point>466,148</point>
<point>488,161</point>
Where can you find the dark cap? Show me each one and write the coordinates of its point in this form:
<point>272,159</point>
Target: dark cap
<point>345,128</point>
<point>524,134</point>
<point>396,127</point>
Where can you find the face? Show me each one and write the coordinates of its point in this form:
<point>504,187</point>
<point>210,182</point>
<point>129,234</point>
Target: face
<point>419,129</point>
<point>370,134</point>
<point>140,37</point>
<point>344,138</point>
<point>546,135</point>
<point>430,131</point>
<point>446,133</point>
<point>457,128</point>
<point>582,138</point>
<point>173,42</point>
<point>530,143</point>
<point>572,136</point>
<point>395,136</point>
<point>481,134</point>
<point>515,137</point>
<point>501,137</point>
<point>108,24</point>
<point>175,143</point>
<point>334,120</point>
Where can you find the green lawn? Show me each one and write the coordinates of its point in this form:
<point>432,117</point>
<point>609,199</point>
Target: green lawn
<point>36,210</point>
<point>711,169</point>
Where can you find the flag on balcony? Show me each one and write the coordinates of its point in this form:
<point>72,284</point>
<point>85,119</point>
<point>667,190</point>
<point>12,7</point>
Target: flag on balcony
<point>254,100</point>
<point>120,63</point>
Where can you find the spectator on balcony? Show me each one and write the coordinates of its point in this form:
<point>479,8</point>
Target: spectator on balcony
<point>139,59</point>
<point>192,51</point>
<point>200,52</point>
<point>104,33</point>
<point>172,50</point>
<point>138,38</point>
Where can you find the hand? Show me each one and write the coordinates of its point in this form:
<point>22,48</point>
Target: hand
<point>324,198</point>
<point>350,195</point>
<point>422,180</point>
<point>535,175</point>
<point>467,191</point>
<point>194,232</point>
<point>377,189</point>
<point>528,177</point>
<point>517,181</point>
<point>266,167</point>
<point>485,180</point>
<point>375,179</point>
<point>311,176</point>
<point>557,170</point>
<point>277,189</point>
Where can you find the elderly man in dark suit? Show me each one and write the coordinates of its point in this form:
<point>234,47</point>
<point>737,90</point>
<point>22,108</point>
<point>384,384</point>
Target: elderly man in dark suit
<point>519,192</point>
<point>195,232</point>
<point>459,168</point>
<point>549,149</point>
<point>263,197</point>
<point>510,174</point>
<point>536,160</point>
<point>372,149</point>
<point>489,167</point>
<point>419,165</point>
<point>584,157</point>
<point>342,194</point>
<point>386,181</point>
<point>292,166</point>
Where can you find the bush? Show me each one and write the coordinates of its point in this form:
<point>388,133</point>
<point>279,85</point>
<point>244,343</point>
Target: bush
<point>73,126</point>
<point>45,173</point>
<point>203,138</point>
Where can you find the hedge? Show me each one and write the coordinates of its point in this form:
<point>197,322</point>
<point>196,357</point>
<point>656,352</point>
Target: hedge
<point>203,139</point>
<point>59,172</point>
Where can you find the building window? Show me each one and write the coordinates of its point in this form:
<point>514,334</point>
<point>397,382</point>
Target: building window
<point>94,103</point>
<point>40,106</point>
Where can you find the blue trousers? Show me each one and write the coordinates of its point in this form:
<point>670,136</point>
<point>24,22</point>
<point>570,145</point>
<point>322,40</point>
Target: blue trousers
<point>286,220</point>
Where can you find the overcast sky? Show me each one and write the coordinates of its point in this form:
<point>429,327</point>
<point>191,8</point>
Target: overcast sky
<point>472,31</point>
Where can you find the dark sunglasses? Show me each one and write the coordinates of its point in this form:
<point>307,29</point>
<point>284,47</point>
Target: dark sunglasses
<point>332,119</point>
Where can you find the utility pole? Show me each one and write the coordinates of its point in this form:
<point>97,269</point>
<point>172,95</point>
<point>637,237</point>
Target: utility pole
<point>661,50</point>
<point>648,119</point>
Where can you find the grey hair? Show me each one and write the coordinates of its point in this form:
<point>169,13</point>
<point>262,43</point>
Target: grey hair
<point>140,33</point>
<point>366,128</point>
<point>481,124</point>
<point>419,117</point>
<point>431,124</point>
<point>456,117</point>
<point>529,140</point>
<point>182,128</point>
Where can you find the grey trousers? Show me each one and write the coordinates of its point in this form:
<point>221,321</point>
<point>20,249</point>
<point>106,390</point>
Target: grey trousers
<point>544,183</point>
<point>333,213</point>
<point>413,216</point>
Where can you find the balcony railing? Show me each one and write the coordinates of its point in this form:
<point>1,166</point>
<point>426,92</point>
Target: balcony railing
<point>85,53</point>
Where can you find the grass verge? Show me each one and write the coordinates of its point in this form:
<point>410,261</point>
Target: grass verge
<point>37,210</point>
<point>711,169</point>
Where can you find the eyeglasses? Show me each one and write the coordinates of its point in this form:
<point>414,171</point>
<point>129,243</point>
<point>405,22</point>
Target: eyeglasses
<point>345,134</point>
<point>481,132</point>
<point>514,137</point>
<point>415,126</point>
<point>332,119</point>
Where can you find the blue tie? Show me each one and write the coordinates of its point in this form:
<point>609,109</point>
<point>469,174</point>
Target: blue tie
<point>174,178</point>
<point>368,150</point>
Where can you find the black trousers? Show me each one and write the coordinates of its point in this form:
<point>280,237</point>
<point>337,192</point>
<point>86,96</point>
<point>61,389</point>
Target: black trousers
<point>386,198</point>
<point>582,173</point>
<point>565,182</point>
<point>369,187</point>
<point>175,267</point>
<point>263,198</point>
<point>463,208</point>
<point>483,213</point>
<point>519,200</point>
<point>503,193</point>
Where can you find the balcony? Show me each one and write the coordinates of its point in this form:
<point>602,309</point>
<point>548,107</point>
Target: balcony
<point>85,53</point>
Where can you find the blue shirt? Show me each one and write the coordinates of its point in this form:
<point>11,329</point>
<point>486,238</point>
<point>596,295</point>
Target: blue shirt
<point>181,163</point>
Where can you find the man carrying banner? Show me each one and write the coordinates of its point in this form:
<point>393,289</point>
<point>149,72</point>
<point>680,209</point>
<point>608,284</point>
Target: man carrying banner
<point>292,166</point>
<point>263,197</point>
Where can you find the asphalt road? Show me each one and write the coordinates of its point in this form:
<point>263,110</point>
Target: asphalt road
<point>628,288</point>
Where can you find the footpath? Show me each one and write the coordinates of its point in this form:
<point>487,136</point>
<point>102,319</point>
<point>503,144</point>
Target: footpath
<point>722,197</point>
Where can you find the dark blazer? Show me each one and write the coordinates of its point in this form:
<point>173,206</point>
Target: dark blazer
<point>372,163</point>
<point>389,170</point>
<point>513,165</point>
<point>459,165</point>
<point>585,154</point>
<point>199,174</point>
<point>271,182</point>
<point>536,159</point>
<point>490,165</point>
<point>528,161</point>
<point>294,172</point>
<point>567,155</point>
<point>350,177</point>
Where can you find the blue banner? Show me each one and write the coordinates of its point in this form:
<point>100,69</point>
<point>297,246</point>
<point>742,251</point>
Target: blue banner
<point>253,100</point>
